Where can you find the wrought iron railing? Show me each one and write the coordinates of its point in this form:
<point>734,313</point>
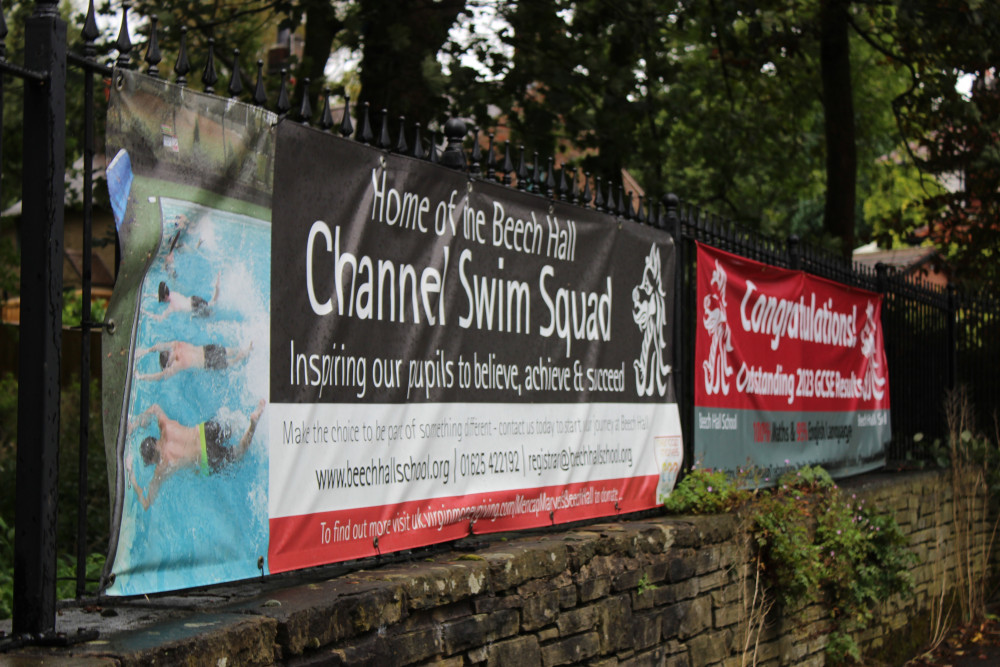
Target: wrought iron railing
<point>935,339</point>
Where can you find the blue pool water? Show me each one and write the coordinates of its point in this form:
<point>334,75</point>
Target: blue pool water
<point>201,530</point>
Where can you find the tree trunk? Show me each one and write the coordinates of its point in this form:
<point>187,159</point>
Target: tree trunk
<point>838,107</point>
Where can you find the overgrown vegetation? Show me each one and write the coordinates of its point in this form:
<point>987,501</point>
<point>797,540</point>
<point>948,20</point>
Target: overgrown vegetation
<point>97,518</point>
<point>810,542</point>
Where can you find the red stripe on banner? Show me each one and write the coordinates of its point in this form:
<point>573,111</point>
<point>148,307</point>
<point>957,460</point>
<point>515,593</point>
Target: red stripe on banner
<point>327,537</point>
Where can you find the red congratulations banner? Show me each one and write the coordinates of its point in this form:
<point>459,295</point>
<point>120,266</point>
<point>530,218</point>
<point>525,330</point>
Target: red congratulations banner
<point>789,369</point>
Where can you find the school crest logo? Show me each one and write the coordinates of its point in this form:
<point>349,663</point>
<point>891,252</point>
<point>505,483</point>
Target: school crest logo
<point>649,310</point>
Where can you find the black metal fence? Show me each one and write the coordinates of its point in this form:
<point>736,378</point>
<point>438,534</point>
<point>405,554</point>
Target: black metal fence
<point>935,339</point>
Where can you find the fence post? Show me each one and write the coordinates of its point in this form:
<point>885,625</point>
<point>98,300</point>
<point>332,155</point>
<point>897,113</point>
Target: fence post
<point>794,257</point>
<point>44,134</point>
<point>952,337</point>
<point>670,203</point>
<point>453,155</point>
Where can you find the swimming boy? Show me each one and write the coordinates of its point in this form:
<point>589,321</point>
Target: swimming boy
<point>177,302</point>
<point>202,447</point>
<point>177,356</point>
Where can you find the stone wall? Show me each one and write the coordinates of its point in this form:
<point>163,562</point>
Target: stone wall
<point>663,591</point>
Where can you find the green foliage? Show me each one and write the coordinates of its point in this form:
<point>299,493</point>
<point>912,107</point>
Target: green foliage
<point>814,543</point>
<point>96,507</point>
<point>703,491</point>
<point>6,569</point>
<point>73,309</point>
<point>644,585</point>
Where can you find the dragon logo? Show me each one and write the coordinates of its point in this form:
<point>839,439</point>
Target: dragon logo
<point>716,367</point>
<point>873,381</point>
<point>649,310</point>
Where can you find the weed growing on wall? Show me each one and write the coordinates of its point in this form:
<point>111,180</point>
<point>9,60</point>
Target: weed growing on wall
<point>812,542</point>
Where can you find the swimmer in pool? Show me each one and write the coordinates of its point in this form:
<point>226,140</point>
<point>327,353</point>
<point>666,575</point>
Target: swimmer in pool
<point>182,223</point>
<point>177,302</point>
<point>177,356</point>
<point>202,447</point>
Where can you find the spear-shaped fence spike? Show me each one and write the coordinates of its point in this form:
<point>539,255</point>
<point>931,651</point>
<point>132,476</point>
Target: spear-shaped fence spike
<point>305,108</point>
<point>508,164</point>
<point>550,180</point>
<point>326,115</point>
<point>418,143</point>
<point>383,135</point>
<point>401,145</point>
<point>599,199</point>
<point>433,156</point>
<point>153,56</point>
<point>182,67</point>
<point>610,204</point>
<point>346,127</point>
<point>491,161</point>
<point>563,185</point>
<point>90,33</point>
<point>284,104</point>
<point>209,78</point>
<point>364,133</point>
<point>574,191</point>
<point>477,153</point>
<point>621,201</point>
<point>522,170</point>
<point>536,175</point>
<point>259,93</point>
<point>124,42</point>
<point>629,209</point>
<point>236,81</point>
<point>586,189</point>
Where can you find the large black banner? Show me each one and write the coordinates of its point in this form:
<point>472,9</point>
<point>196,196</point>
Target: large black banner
<point>440,341</point>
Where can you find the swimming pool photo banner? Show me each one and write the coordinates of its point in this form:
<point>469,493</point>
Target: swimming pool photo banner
<point>790,370</point>
<point>323,351</point>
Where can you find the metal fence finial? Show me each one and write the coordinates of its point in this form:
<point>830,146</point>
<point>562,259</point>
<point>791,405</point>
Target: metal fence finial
<point>401,145</point>
<point>284,105</point>
<point>89,33</point>
<point>598,194</point>
<point>418,143</point>
<point>383,135</point>
<point>259,93</point>
<point>491,160</point>
<point>208,77</point>
<point>153,56</point>
<point>586,189</point>
<point>326,115</point>
<point>508,164</point>
<point>536,176</point>
<point>235,81</point>
<point>477,153</point>
<point>346,127</point>
<point>364,133</point>
<point>433,155</point>
<point>550,180</point>
<point>305,108</point>
<point>182,67</point>
<point>522,170</point>
<point>563,185</point>
<point>453,155</point>
<point>124,42</point>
